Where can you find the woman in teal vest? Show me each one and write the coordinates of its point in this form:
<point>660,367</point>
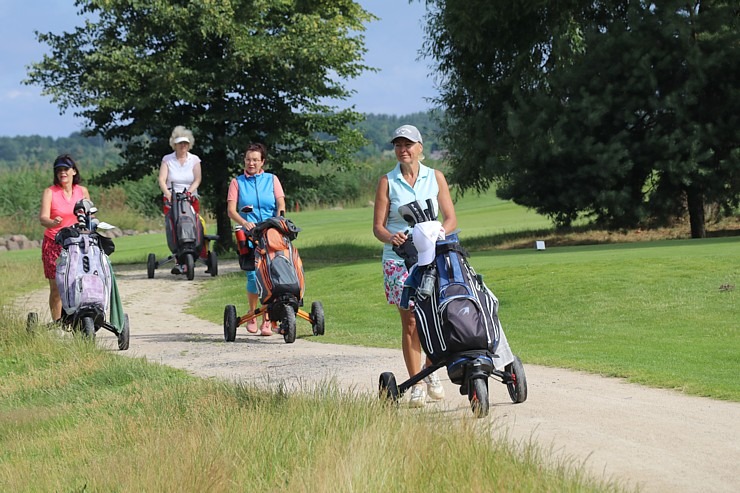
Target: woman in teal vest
<point>262,195</point>
<point>409,181</point>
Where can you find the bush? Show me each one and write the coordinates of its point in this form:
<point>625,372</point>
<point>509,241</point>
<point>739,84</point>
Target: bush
<point>128,204</point>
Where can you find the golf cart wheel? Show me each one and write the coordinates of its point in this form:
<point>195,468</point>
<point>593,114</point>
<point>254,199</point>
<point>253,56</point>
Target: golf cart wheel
<point>213,263</point>
<point>388,388</point>
<point>317,318</point>
<point>230,323</point>
<point>123,336</point>
<point>190,266</point>
<point>151,265</point>
<point>32,321</point>
<point>287,325</point>
<point>518,386</point>
<point>87,326</point>
<point>478,397</point>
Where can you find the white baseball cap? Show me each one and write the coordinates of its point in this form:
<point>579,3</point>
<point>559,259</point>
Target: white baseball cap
<point>182,139</point>
<point>407,132</point>
<point>425,236</point>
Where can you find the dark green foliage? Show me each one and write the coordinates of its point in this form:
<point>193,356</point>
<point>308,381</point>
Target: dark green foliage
<point>623,112</point>
<point>233,72</point>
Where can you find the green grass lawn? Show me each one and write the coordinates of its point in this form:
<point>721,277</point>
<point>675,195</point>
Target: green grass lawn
<point>74,418</point>
<point>652,312</point>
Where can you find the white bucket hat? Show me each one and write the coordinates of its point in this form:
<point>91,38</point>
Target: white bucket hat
<point>425,236</point>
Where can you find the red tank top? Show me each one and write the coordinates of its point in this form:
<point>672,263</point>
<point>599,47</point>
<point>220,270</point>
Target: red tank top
<point>63,207</point>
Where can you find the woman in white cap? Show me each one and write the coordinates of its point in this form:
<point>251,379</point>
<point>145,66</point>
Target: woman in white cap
<point>409,181</point>
<point>180,171</point>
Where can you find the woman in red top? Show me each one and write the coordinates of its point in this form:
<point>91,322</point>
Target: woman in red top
<point>57,212</point>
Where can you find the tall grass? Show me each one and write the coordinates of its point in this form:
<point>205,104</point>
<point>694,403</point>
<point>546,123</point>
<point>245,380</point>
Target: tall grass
<point>20,200</point>
<point>76,418</point>
<point>324,186</point>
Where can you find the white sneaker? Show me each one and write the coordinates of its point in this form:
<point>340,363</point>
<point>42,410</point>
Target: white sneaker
<point>434,387</point>
<point>418,396</point>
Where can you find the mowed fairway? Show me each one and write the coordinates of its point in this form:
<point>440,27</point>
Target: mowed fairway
<point>661,313</point>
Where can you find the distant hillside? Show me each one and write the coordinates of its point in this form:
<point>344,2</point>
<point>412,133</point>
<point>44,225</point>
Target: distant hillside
<point>35,150</point>
<point>95,153</point>
<point>379,128</point>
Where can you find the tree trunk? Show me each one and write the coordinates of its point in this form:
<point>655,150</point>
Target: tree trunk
<point>695,202</point>
<point>216,179</point>
<point>223,223</point>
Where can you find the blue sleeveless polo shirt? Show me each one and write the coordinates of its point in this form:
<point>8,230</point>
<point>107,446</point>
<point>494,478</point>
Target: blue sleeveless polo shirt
<point>257,191</point>
<point>400,193</point>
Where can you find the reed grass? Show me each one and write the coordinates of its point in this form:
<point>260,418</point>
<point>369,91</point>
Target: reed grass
<point>77,418</point>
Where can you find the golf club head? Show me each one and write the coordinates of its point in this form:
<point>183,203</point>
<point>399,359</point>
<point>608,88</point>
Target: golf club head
<point>412,213</point>
<point>430,211</point>
<point>84,206</point>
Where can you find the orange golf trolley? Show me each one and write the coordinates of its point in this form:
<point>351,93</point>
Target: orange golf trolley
<point>268,250</point>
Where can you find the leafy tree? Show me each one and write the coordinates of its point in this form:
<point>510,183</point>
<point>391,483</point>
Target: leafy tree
<point>233,71</point>
<point>620,111</point>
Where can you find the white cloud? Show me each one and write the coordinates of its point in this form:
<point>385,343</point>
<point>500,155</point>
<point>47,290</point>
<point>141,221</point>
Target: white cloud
<point>15,94</point>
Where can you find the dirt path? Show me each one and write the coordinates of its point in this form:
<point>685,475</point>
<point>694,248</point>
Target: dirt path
<point>661,441</point>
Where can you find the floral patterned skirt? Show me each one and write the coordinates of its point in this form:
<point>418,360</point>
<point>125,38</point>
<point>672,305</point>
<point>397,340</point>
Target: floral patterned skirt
<point>394,275</point>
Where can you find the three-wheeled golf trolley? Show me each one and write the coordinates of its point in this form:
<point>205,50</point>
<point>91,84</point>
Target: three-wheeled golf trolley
<point>456,316</point>
<point>186,240</point>
<point>268,250</point>
<point>86,281</point>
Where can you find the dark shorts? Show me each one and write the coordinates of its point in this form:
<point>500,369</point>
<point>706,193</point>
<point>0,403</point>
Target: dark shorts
<point>49,254</point>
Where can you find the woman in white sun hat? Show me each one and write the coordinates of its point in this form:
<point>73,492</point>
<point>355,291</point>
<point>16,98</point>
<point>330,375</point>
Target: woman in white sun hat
<point>409,181</point>
<point>180,171</point>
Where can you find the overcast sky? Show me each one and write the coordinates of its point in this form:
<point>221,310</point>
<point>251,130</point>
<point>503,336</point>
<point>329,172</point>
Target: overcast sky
<point>402,86</point>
